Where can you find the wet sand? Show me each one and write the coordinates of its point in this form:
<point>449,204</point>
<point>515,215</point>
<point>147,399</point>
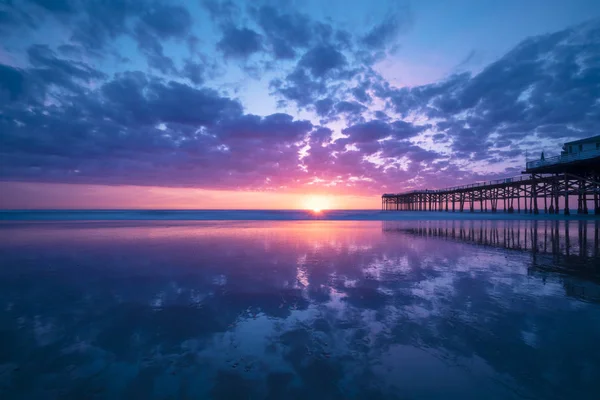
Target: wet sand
<point>442,309</point>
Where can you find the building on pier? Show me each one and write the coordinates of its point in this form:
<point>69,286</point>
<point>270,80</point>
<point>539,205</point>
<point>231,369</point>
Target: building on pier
<point>576,156</point>
<point>548,183</point>
<point>582,145</point>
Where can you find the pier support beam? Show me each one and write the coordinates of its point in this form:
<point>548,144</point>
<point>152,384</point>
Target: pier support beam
<point>534,196</point>
<point>567,212</point>
<point>596,203</point>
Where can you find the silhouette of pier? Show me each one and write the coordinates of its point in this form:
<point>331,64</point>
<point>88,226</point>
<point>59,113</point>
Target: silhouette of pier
<point>546,184</point>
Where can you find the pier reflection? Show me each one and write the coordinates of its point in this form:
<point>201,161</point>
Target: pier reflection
<point>568,249</point>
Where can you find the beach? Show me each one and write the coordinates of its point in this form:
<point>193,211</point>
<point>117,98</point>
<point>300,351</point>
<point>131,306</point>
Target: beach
<point>323,309</point>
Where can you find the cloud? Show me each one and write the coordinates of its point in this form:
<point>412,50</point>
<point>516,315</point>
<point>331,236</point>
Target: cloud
<point>294,29</point>
<point>224,13</point>
<point>319,73</point>
<point>274,128</point>
<point>94,25</point>
<point>547,87</point>
<point>324,107</point>
<point>350,107</point>
<point>167,21</point>
<point>360,92</point>
<point>56,6</point>
<point>300,87</point>
<point>194,72</point>
<point>48,70</point>
<point>151,46</point>
<point>158,23</point>
<point>239,42</point>
<point>376,129</point>
<point>12,84</point>
<point>101,22</point>
<point>139,129</point>
<point>322,59</point>
<point>386,32</point>
<point>68,116</point>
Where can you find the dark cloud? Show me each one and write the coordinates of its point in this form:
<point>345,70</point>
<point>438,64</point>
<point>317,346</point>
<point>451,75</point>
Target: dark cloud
<point>319,72</point>
<point>382,34</point>
<point>439,137</point>
<point>167,21</point>
<point>222,12</point>
<point>288,32</point>
<point>322,59</point>
<point>70,50</point>
<point>138,129</point>
<point>350,107</point>
<point>49,69</point>
<point>145,101</point>
<point>15,17</point>
<point>300,87</point>
<point>386,32</point>
<point>40,56</point>
<point>293,29</point>
<point>158,23</point>
<point>324,107</point>
<point>360,92</point>
<point>321,135</point>
<point>239,43</point>
<point>12,84</point>
<point>275,127</point>
<point>57,6</point>
<point>330,110</point>
<point>282,50</point>
<point>194,72</point>
<point>381,115</point>
<point>151,46</point>
<point>94,25</point>
<point>402,148</point>
<point>376,130</point>
<point>180,103</point>
<point>102,22</point>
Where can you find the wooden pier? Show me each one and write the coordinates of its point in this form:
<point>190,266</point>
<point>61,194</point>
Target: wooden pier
<point>571,180</point>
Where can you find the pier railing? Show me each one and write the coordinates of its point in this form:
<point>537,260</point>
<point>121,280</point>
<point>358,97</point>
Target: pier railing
<point>565,158</point>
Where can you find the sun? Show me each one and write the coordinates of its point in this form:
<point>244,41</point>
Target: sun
<point>317,203</point>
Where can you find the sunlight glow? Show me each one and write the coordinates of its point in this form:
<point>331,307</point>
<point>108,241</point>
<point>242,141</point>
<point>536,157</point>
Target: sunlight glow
<point>317,203</point>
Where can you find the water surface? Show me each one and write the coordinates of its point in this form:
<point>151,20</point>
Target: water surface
<point>300,309</point>
<point>267,215</point>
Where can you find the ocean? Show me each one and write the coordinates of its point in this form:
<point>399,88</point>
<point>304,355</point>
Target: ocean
<point>297,305</point>
<point>261,215</point>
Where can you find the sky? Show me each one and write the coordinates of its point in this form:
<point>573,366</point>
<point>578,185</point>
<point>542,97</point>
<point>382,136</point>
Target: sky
<point>284,104</point>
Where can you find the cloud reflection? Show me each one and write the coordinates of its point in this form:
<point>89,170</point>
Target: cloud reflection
<point>323,309</point>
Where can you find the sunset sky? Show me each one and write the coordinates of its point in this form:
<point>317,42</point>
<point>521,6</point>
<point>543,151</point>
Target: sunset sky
<point>284,104</point>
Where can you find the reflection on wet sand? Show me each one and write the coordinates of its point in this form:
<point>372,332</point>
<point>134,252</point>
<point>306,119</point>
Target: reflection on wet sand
<point>294,310</point>
<point>571,249</point>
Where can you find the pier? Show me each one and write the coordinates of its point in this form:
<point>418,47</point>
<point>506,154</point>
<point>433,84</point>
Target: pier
<point>571,179</point>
